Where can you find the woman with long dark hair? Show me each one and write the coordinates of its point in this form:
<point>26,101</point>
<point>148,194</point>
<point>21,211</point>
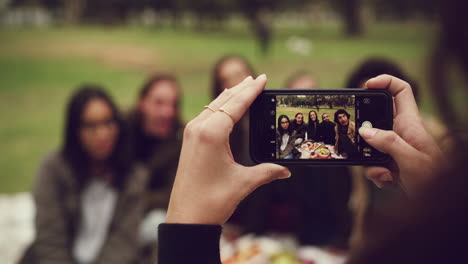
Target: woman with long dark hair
<point>228,71</point>
<point>300,127</point>
<point>155,131</point>
<point>285,138</point>
<point>312,126</point>
<point>88,195</point>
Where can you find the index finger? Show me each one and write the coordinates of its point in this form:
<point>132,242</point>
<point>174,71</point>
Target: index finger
<point>400,90</point>
<point>238,104</point>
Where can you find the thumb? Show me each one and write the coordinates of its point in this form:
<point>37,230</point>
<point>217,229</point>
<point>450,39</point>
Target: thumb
<point>387,141</point>
<point>266,172</point>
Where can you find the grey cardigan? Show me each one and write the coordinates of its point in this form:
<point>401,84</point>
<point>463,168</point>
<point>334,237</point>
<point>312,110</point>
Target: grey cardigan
<point>57,200</point>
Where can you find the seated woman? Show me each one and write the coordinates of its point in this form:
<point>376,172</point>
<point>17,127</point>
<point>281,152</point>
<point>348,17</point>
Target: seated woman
<point>88,196</point>
<point>285,138</point>
<point>299,127</point>
<point>312,126</point>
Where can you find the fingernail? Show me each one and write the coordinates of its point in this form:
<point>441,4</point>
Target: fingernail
<point>263,76</point>
<point>248,78</point>
<point>378,185</point>
<point>370,80</point>
<point>286,174</point>
<point>367,133</point>
<point>385,177</point>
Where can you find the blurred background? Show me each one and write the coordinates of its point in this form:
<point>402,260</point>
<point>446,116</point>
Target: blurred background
<point>49,47</point>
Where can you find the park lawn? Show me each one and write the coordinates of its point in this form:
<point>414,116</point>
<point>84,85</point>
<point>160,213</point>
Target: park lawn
<point>292,111</point>
<point>39,69</point>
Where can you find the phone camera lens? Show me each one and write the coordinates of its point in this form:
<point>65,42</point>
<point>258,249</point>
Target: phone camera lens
<point>272,112</point>
<point>272,127</point>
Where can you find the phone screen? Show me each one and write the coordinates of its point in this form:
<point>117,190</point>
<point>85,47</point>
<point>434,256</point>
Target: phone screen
<point>319,128</point>
<point>316,127</point>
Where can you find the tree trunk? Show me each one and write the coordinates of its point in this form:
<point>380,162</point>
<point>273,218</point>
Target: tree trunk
<point>73,11</point>
<point>352,17</point>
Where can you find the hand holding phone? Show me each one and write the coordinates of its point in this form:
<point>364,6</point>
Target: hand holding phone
<point>318,127</point>
<point>416,156</point>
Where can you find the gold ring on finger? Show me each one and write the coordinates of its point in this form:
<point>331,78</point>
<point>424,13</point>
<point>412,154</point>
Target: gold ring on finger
<point>209,108</point>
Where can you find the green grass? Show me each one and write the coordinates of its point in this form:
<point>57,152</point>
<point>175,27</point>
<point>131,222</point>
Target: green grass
<point>39,68</point>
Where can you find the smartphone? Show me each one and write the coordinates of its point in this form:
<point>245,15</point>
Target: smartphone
<point>318,127</point>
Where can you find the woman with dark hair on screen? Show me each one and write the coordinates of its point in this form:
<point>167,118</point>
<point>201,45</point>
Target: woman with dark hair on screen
<point>88,195</point>
<point>312,126</point>
<point>285,138</point>
<point>300,127</point>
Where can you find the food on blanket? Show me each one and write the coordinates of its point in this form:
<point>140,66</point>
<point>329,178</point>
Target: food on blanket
<point>322,153</point>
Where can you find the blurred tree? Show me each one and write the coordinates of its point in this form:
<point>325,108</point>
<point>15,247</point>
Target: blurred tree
<point>174,8</point>
<point>350,11</point>
<point>107,11</point>
<point>403,9</point>
<point>211,13</point>
<point>258,12</point>
<point>73,10</point>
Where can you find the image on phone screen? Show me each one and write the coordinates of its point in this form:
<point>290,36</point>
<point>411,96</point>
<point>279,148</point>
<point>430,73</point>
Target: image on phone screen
<point>316,127</point>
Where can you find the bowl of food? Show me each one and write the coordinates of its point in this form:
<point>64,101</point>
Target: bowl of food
<point>322,153</point>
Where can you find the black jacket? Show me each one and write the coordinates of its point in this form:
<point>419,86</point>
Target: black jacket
<point>326,132</point>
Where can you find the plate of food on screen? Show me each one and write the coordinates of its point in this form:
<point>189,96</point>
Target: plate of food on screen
<point>310,146</point>
<point>322,152</point>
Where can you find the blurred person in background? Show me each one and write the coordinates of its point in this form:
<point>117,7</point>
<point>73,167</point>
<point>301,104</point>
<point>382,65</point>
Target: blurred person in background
<point>374,66</point>
<point>302,80</point>
<point>156,140</point>
<point>89,197</point>
<point>156,134</point>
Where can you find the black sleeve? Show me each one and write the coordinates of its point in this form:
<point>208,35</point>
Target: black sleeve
<point>184,243</point>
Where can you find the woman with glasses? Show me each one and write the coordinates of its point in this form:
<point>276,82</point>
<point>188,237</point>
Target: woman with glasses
<point>285,138</point>
<point>88,195</point>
